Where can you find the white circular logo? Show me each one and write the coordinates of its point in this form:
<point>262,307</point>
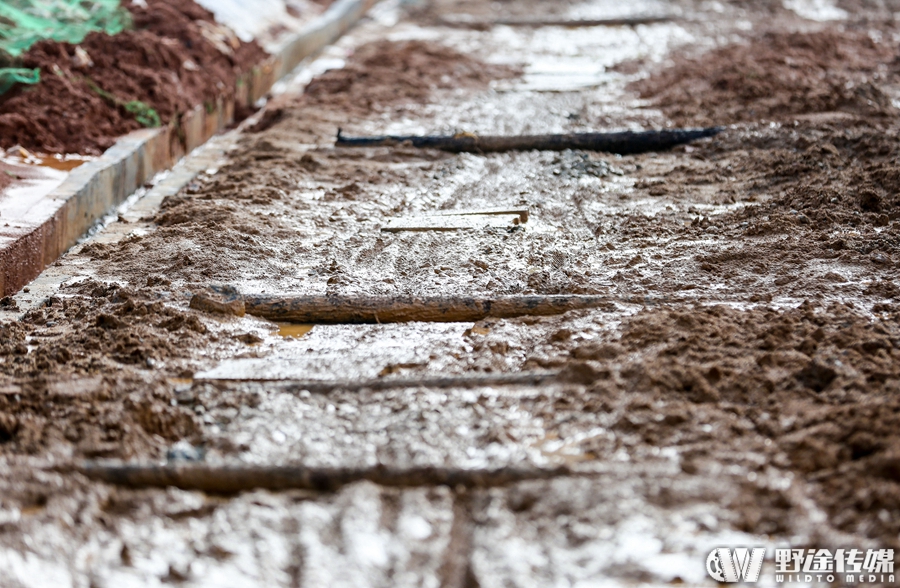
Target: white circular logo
<point>714,566</point>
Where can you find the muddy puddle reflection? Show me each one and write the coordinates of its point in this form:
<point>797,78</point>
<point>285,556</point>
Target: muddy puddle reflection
<point>293,331</point>
<point>60,162</point>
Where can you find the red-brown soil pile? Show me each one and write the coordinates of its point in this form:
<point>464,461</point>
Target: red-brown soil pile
<point>776,76</point>
<point>385,72</point>
<point>175,59</point>
<point>384,75</point>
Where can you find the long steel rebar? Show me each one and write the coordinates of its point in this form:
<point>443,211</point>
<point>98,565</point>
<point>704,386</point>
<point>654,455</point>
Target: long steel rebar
<point>623,143</point>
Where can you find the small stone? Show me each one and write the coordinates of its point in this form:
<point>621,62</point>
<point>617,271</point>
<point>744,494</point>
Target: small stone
<point>249,338</point>
<point>880,258</point>
<point>184,451</point>
<point>81,59</point>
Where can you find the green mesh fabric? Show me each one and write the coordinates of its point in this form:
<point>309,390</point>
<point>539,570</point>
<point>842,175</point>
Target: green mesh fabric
<point>25,22</point>
<point>10,76</point>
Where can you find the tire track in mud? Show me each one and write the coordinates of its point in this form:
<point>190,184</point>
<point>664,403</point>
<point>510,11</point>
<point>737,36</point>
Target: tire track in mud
<point>456,570</point>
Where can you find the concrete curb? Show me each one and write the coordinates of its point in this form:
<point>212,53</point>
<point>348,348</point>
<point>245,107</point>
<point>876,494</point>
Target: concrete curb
<point>56,222</point>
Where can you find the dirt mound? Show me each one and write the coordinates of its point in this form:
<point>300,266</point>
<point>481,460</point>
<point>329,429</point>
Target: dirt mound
<point>378,77</point>
<point>119,327</point>
<point>62,384</point>
<point>776,76</point>
<point>827,189</point>
<point>175,58</point>
<point>384,73</point>
<point>92,416</point>
<point>820,384</point>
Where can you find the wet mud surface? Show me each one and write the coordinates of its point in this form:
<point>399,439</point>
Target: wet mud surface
<point>175,58</point>
<point>739,387</point>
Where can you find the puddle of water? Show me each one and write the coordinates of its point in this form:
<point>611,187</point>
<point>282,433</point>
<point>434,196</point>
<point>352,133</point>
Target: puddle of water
<point>346,352</point>
<point>61,164</point>
<point>292,330</point>
<point>58,162</point>
<point>568,451</point>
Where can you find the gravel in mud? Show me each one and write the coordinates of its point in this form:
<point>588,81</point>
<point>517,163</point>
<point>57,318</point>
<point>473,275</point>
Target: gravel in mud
<point>739,388</point>
<point>175,58</point>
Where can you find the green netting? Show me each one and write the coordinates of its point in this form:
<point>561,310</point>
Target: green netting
<point>25,22</point>
<point>10,76</point>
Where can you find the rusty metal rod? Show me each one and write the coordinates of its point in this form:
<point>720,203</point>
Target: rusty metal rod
<point>389,383</point>
<point>230,479</point>
<point>623,143</point>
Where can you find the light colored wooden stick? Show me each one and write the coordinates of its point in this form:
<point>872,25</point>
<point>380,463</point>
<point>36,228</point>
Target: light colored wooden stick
<point>462,22</point>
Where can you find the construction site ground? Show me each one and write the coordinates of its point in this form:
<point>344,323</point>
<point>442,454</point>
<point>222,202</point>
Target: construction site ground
<point>739,386</point>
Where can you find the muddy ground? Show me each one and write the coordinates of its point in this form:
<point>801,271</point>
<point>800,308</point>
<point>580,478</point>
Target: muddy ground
<point>739,387</point>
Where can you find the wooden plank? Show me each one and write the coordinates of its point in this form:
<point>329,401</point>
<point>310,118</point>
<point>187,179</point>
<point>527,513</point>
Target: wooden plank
<point>454,222</point>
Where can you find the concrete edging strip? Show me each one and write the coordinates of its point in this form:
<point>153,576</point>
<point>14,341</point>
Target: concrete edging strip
<point>57,221</point>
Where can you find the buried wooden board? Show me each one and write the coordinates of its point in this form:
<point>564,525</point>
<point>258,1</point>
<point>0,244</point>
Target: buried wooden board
<point>365,309</point>
<point>322,354</point>
<point>520,211</point>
